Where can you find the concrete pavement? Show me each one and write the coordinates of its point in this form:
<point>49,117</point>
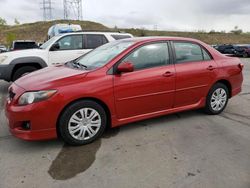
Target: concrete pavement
<point>188,149</point>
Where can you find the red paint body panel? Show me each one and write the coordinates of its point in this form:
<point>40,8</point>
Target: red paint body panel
<point>193,81</point>
<point>129,97</point>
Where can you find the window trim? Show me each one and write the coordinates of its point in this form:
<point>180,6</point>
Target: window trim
<point>67,49</point>
<point>85,40</point>
<point>113,69</point>
<point>196,43</point>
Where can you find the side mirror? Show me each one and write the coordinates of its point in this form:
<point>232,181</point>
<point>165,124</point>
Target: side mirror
<point>125,67</point>
<point>55,47</point>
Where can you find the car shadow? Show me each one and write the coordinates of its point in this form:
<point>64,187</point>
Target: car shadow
<point>64,166</point>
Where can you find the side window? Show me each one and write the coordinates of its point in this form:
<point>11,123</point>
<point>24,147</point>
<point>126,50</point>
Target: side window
<point>94,41</point>
<point>72,42</point>
<point>206,56</point>
<point>152,55</point>
<point>187,52</point>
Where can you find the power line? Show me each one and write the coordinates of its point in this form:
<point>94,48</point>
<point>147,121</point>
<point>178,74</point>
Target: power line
<point>72,9</point>
<point>47,10</point>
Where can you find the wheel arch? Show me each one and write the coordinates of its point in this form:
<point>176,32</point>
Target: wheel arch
<point>37,62</point>
<point>227,84</point>
<point>100,102</point>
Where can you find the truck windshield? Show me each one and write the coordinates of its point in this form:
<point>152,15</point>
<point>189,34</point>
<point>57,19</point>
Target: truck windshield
<point>48,43</point>
<point>102,55</point>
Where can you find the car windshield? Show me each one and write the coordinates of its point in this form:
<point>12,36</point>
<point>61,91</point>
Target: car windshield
<point>48,43</point>
<point>102,55</point>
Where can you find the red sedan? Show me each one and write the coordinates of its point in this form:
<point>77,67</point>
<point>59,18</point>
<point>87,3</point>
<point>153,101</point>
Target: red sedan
<point>118,83</point>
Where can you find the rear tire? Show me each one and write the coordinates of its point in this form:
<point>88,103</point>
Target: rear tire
<point>82,122</point>
<point>217,99</point>
<point>23,71</point>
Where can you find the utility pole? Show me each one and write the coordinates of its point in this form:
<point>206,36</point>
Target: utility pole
<point>47,10</point>
<point>72,9</point>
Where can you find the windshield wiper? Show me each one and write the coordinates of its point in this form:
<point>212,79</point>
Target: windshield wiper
<point>78,65</point>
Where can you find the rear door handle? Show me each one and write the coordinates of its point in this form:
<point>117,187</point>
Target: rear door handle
<point>168,74</point>
<point>211,68</point>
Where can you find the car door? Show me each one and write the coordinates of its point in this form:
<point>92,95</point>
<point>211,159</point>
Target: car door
<point>195,71</point>
<point>69,48</point>
<point>150,87</point>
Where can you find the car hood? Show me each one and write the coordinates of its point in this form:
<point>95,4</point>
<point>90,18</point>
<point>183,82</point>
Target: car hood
<point>23,53</point>
<point>50,78</point>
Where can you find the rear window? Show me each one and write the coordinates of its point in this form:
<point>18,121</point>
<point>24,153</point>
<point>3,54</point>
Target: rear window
<point>25,45</point>
<point>119,37</point>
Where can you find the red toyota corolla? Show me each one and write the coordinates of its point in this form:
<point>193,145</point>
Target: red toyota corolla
<point>121,82</point>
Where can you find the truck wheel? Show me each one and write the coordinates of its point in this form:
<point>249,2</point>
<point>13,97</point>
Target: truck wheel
<point>23,71</point>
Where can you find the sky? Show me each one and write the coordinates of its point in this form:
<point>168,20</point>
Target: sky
<point>181,15</point>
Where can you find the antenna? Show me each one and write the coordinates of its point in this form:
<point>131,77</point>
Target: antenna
<point>47,10</point>
<point>72,9</point>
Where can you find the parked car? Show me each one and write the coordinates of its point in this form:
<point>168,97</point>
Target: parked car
<point>59,49</point>
<point>227,49</point>
<point>118,83</point>
<point>243,51</point>
<point>3,49</point>
<point>215,46</point>
<point>23,45</point>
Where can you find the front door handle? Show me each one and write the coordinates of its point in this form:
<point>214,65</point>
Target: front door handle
<point>168,74</point>
<point>211,68</point>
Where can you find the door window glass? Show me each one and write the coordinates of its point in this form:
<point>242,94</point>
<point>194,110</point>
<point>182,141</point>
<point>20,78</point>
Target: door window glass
<point>152,55</point>
<point>187,52</point>
<point>72,42</point>
<point>94,41</point>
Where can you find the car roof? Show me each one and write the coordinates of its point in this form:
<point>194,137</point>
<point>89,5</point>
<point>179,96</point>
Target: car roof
<point>159,38</point>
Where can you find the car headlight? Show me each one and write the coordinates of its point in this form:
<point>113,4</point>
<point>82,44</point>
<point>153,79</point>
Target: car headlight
<point>32,97</point>
<point>3,58</point>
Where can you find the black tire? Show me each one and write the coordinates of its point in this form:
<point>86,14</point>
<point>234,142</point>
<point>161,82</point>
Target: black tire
<point>245,55</point>
<point>22,71</point>
<point>208,108</point>
<point>70,111</point>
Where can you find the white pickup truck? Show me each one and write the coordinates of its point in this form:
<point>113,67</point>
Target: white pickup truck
<point>59,49</point>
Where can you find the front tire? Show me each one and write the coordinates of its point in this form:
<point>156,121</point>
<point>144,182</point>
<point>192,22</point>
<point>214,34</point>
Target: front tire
<point>23,71</point>
<point>82,122</point>
<point>217,99</point>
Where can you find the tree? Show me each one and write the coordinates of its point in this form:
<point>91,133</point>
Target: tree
<point>212,31</point>
<point>16,22</point>
<point>2,21</point>
<point>236,30</point>
<point>10,38</point>
<point>142,32</point>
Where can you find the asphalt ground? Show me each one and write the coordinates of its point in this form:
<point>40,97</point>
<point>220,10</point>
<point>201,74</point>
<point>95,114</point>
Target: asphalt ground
<point>189,149</point>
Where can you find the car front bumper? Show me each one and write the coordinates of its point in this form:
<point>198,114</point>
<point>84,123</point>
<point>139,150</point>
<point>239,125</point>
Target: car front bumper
<point>41,116</point>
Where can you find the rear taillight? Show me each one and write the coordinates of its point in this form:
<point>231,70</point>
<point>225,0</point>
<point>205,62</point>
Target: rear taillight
<point>241,66</point>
